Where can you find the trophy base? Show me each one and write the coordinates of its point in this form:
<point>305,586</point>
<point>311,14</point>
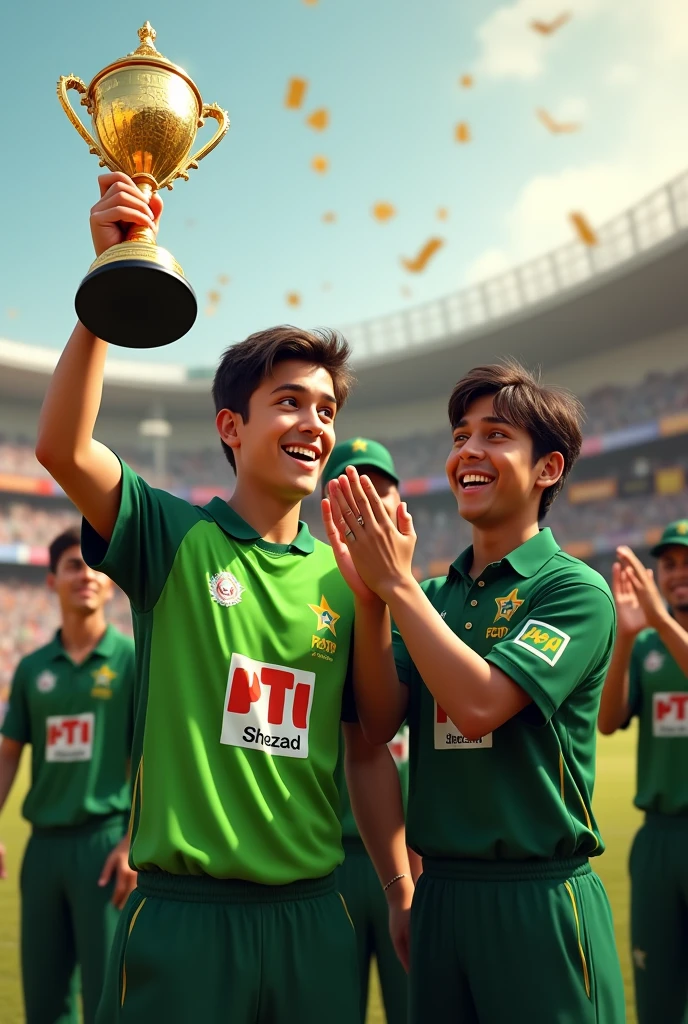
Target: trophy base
<point>135,295</point>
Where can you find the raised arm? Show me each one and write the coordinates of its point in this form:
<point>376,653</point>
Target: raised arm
<point>656,613</point>
<point>381,700</point>
<point>88,472</point>
<point>631,619</point>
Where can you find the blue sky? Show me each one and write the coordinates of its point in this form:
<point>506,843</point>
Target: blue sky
<point>387,71</point>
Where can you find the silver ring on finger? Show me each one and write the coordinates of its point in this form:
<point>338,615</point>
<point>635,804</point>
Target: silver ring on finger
<point>360,521</point>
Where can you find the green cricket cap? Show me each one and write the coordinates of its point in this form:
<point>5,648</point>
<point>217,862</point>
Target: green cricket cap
<point>359,451</point>
<point>675,533</point>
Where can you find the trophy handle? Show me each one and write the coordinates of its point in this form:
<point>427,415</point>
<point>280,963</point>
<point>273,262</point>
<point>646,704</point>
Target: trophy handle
<point>66,82</point>
<point>222,118</point>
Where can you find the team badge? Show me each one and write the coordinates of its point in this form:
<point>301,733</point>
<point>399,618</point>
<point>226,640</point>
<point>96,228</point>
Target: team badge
<point>225,589</point>
<point>46,681</point>
<point>359,445</point>
<point>102,682</point>
<point>653,661</point>
<point>327,617</point>
<point>682,528</point>
<point>506,606</point>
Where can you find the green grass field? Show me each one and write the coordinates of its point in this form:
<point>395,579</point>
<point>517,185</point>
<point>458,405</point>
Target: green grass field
<point>618,821</point>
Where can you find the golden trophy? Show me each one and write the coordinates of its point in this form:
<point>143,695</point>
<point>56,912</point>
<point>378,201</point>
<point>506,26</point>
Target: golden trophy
<point>145,113</point>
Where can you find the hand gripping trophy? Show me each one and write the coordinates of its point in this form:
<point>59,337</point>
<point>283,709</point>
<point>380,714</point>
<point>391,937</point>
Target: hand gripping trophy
<point>145,113</point>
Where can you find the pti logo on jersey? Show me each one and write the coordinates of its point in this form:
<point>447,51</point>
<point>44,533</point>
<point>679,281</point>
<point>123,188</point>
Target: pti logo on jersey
<point>267,707</point>
<point>669,714</point>
<point>327,620</point>
<point>543,640</point>
<point>448,737</point>
<point>69,737</point>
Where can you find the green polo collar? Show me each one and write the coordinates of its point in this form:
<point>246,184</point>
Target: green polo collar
<point>106,647</point>
<point>526,560</point>
<point>232,523</point>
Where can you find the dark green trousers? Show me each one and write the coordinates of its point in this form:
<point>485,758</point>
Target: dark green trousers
<point>66,919</point>
<point>498,943</point>
<point>360,887</point>
<point>659,919</point>
<point>198,950</point>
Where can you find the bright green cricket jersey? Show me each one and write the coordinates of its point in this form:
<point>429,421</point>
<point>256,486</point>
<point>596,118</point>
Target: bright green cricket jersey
<point>399,748</point>
<point>524,791</point>
<point>242,651</point>
<point>78,720</point>
<point>658,695</point>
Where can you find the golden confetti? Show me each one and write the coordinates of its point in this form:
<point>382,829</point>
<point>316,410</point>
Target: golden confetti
<point>223,279</point>
<point>329,217</point>
<point>214,297</point>
<point>420,261</point>
<point>293,299</point>
<point>210,310</point>
<point>583,229</point>
<point>556,127</point>
<point>310,3</point>
<point>462,132</point>
<point>296,93</point>
<point>319,120</point>
<point>466,81</point>
<point>383,211</point>
<point>443,213</point>
<point>320,164</point>
<point>548,28</point>
<point>13,314</point>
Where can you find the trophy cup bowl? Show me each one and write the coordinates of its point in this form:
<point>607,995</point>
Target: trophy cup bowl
<point>145,113</point>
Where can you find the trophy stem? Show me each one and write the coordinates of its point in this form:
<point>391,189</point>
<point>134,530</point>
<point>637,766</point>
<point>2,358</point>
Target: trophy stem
<point>136,232</point>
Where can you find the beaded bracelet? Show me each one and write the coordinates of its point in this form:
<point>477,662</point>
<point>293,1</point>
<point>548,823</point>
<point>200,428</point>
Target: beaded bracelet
<point>397,878</point>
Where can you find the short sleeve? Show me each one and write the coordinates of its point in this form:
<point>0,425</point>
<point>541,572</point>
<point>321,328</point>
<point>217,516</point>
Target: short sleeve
<point>634,684</point>
<point>17,724</point>
<point>568,636</point>
<point>150,527</point>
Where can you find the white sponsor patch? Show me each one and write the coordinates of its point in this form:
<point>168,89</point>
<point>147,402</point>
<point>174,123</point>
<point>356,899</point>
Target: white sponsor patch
<point>46,681</point>
<point>448,737</point>
<point>399,746</point>
<point>267,707</point>
<point>69,737</point>
<point>545,641</point>
<point>669,714</point>
<point>225,589</point>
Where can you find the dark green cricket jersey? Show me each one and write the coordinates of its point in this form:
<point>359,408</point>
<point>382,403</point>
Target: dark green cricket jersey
<point>78,720</point>
<point>399,747</point>
<point>547,621</point>
<point>658,695</point>
<point>242,651</point>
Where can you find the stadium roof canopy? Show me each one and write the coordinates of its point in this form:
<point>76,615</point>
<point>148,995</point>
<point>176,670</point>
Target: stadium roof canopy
<point>575,301</point>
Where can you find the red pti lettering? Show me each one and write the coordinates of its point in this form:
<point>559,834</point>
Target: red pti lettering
<point>664,708</point>
<point>243,692</point>
<point>279,682</point>
<point>679,701</point>
<point>299,712</point>
<point>54,733</point>
<point>70,724</point>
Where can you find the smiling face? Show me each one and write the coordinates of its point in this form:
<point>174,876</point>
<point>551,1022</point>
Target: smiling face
<point>78,587</point>
<point>285,442</point>
<point>672,576</point>
<point>491,470</point>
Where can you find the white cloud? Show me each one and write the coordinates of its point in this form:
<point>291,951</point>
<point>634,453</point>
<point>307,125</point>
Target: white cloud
<point>510,48</point>
<point>490,263</point>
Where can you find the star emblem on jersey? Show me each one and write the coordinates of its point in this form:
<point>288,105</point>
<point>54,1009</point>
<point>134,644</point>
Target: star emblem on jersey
<point>46,681</point>
<point>225,589</point>
<point>653,661</point>
<point>506,606</point>
<point>103,676</point>
<point>359,445</point>
<point>327,617</point>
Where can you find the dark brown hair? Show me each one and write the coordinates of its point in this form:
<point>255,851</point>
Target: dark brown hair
<point>245,366</point>
<point>551,415</point>
<point>68,539</point>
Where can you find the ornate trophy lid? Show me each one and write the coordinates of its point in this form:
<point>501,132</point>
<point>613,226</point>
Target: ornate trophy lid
<point>146,53</point>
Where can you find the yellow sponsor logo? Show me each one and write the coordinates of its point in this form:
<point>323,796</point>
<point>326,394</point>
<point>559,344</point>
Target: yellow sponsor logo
<point>546,641</point>
<point>541,638</point>
<point>321,644</point>
<point>496,632</point>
